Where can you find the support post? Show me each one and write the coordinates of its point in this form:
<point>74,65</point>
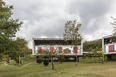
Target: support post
<point>103,50</point>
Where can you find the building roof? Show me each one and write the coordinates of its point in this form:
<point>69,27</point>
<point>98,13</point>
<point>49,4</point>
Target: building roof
<point>48,38</point>
<point>109,36</point>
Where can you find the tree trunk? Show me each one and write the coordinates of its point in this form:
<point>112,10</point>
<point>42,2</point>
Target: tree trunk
<point>19,59</point>
<point>76,59</point>
<point>99,57</point>
<point>103,59</point>
<point>90,60</point>
<point>52,63</point>
<point>7,59</point>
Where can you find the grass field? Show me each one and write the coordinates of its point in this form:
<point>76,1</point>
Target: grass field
<point>67,69</point>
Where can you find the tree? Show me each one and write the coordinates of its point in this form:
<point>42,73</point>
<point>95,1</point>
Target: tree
<point>84,57</point>
<point>92,44</point>
<point>46,62</point>
<point>20,42</point>
<point>26,51</point>
<point>8,26</point>
<point>8,29</point>
<point>89,55</point>
<point>114,25</point>
<point>51,54</point>
<point>95,53</point>
<point>39,61</point>
<point>61,58</point>
<point>71,33</point>
<point>61,54</point>
<point>100,54</point>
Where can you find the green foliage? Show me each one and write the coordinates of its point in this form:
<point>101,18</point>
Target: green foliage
<point>21,42</point>
<point>21,54</point>
<point>89,55</point>
<point>92,44</point>
<point>45,51</point>
<point>26,50</point>
<point>17,60</point>
<point>8,26</point>
<point>0,56</point>
<point>94,54</point>
<point>6,58</point>
<point>39,61</point>
<point>61,58</point>
<point>113,57</point>
<point>71,32</point>
<point>8,29</point>
<point>13,55</point>
<point>46,62</point>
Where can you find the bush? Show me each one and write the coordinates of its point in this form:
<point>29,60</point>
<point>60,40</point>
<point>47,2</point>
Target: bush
<point>17,60</point>
<point>6,58</point>
<point>61,58</point>
<point>39,61</point>
<point>46,62</point>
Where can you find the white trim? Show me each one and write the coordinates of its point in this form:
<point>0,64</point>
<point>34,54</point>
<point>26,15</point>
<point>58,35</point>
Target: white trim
<point>115,48</point>
<point>107,49</point>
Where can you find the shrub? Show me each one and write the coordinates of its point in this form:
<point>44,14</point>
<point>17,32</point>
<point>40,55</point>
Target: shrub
<point>61,58</point>
<point>6,58</point>
<point>39,61</point>
<point>17,60</point>
<point>46,62</point>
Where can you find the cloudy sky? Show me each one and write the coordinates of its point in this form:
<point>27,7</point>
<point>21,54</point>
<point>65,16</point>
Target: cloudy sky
<point>46,18</point>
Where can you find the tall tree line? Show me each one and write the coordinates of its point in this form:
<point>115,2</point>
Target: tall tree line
<point>88,45</point>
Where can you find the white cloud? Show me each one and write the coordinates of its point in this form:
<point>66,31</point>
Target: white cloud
<point>46,18</point>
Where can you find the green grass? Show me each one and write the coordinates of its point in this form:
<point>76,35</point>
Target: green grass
<point>66,69</point>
